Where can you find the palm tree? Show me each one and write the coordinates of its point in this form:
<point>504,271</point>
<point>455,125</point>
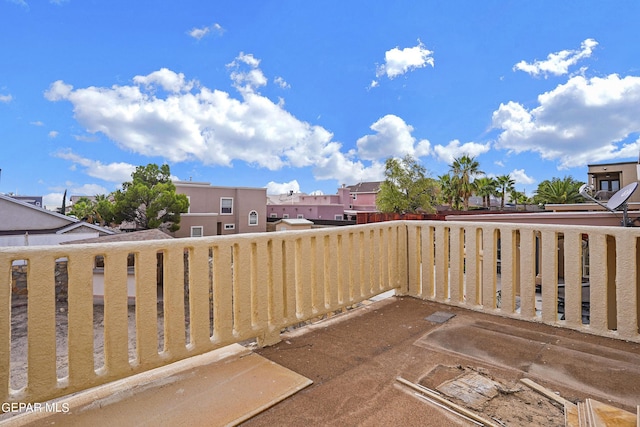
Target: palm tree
<point>465,168</point>
<point>517,197</point>
<point>448,191</point>
<point>566,190</point>
<point>485,187</point>
<point>505,184</point>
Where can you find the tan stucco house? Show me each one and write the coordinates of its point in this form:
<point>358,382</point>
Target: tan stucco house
<point>215,211</point>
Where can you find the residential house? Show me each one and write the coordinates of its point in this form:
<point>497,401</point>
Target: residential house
<point>363,197</point>
<point>309,206</point>
<point>348,201</point>
<point>215,211</point>
<point>607,178</point>
<point>25,224</point>
<point>33,200</point>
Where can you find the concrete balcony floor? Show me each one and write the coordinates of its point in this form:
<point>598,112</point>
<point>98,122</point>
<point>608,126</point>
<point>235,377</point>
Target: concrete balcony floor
<point>354,360</point>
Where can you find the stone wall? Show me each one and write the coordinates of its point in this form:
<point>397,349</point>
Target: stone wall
<point>19,281</point>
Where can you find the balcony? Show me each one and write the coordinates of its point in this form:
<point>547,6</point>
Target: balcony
<point>501,281</point>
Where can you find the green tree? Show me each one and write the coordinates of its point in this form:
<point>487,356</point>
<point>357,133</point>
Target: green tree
<point>485,188</point>
<point>406,187</point>
<point>449,194</point>
<point>464,169</point>
<point>85,209</point>
<point>150,200</point>
<point>104,209</point>
<point>504,184</point>
<point>556,190</point>
<point>63,207</point>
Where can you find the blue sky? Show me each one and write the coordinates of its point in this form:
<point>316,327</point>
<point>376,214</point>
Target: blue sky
<point>306,96</point>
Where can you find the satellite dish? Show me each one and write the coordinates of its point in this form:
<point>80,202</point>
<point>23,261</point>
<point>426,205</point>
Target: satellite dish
<point>617,201</point>
<point>621,197</point>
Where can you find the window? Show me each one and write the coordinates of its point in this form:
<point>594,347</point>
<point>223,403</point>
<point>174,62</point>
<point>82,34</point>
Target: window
<point>197,231</point>
<point>300,216</point>
<point>229,226</point>
<point>338,217</point>
<point>226,205</point>
<point>273,215</point>
<point>253,218</point>
<point>285,216</point>
<point>610,185</point>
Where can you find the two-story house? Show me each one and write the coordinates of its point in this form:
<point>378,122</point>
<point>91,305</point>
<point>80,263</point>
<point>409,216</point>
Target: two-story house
<point>215,211</point>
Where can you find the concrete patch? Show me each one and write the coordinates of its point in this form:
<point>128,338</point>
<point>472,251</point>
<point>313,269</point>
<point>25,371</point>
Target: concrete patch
<point>440,317</point>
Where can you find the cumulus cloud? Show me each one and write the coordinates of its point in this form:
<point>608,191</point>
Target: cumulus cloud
<point>199,33</point>
<point>393,138</point>
<point>163,114</point>
<point>447,153</point>
<point>557,63</point>
<point>165,78</point>
<point>582,121</point>
<point>520,177</point>
<point>6,98</point>
<point>112,172</point>
<point>400,61</point>
<point>275,188</point>
<point>53,134</point>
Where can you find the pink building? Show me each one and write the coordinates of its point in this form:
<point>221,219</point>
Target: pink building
<point>344,205</point>
<point>215,211</point>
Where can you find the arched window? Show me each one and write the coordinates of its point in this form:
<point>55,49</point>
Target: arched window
<point>253,218</point>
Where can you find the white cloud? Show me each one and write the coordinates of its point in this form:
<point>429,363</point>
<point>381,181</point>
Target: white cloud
<point>520,177</point>
<point>393,138</point>
<point>88,190</point>
<point>112,172</point>
<point>557,63</point>
<point>6,98</point>
<point>582,121</point>
<point>189,122</point>
<point>199,33</point>
<point>399,62</point>
<point>447,153</point>
<point>37,123</point>
<point>52,201</point>
<point>53,134</point>
<point>275,188</point>
<point>167,79</point>
<point>282,83</point>
<point>163,114</point>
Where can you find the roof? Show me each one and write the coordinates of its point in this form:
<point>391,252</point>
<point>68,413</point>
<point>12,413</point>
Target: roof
<point>136,236</point>
<point>295,221</point>
<point>365,187</point>
<point>51,222</point>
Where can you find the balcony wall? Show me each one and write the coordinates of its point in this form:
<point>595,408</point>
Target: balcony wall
<point>227,289</point>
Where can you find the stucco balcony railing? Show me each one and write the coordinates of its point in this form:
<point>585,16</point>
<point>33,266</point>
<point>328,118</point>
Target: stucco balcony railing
<point>222,290</point>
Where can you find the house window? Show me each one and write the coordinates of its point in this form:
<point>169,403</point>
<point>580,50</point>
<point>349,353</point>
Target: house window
<point>226,205</point>
<point>610,185</point>
<point>338,217</point>
<point>285,216</point>
<point>253,218</point>
<point>229,226</point>
<point>273,215</point>
<point>300,216</point>
<point>197,231</point>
